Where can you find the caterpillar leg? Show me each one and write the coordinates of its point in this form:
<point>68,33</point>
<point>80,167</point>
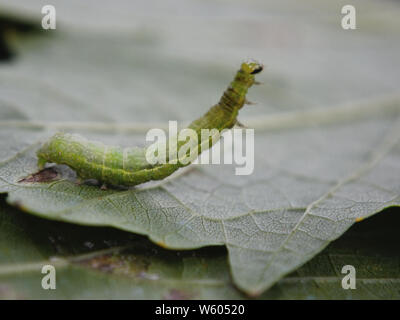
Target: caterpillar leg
<point>240,125</point>
<point>249,102</point>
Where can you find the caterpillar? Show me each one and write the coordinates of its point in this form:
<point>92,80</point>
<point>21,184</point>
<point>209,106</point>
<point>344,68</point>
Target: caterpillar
<point>114,165</point>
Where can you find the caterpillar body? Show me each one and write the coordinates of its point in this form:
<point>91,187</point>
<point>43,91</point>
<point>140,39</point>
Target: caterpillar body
<point>128,166</point>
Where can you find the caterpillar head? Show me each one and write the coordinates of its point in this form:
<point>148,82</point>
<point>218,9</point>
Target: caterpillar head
<point>252,67</point>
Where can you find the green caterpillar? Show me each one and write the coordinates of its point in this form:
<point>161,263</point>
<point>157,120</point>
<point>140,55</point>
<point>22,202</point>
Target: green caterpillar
<point>128,166</point>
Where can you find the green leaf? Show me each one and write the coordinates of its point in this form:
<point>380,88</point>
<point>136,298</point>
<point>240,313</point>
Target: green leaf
<point>323,160</point>
<point>101,263</point>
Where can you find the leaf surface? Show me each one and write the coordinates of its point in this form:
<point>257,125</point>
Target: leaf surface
<point>104,263</point>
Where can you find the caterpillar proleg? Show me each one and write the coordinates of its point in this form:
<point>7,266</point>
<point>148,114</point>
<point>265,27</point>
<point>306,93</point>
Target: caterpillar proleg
<point>128,166</point>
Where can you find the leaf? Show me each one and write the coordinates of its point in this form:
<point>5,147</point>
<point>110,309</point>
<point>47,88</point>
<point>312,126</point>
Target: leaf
<point>101,263</point>
<point>320,166</point>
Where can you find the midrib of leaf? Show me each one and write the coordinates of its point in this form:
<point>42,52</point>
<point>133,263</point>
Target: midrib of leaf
<point>64,262</point>
<point>388,142</point>
<point>50,89</point>
<point>9,269</point>
<point>389,104</point>
<point>6,269</point>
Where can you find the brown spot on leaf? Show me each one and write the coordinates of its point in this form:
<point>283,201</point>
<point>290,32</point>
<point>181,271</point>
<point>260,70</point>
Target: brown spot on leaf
<point>45,175</point>
<point>104,263</point>
<point>128,265</point>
